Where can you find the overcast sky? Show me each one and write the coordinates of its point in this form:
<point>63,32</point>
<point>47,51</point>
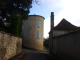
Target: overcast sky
<point>68,9</point>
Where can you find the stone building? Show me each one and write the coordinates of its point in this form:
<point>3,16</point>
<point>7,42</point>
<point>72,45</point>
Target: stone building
<point>32,32</point>
<point>63,27</point>
<point>64,40</point>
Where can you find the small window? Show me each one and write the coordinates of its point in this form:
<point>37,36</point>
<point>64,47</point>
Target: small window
<point>38,25</point>
<point>65,32</point>
<point>38,34</point>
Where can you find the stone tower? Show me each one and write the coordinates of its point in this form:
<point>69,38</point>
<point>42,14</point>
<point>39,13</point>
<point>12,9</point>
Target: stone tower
<point>52,20</point>
<point>32,32</point>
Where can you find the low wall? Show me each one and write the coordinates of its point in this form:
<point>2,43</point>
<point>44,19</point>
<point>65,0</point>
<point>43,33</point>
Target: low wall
<point>9,46</point>
<point>68,45</point>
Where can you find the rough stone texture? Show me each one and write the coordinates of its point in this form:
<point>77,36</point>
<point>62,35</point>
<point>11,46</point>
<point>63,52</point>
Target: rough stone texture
<point>8,47</point>
<point>19,45</point>
<point>30,32</point>
<point>69,45</point>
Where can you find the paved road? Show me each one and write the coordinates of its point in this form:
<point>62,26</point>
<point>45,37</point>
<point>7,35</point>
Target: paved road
<point>34,55</point>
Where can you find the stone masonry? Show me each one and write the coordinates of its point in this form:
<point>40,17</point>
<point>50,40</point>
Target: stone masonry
<point>9,46</point>
<point>29,32</point>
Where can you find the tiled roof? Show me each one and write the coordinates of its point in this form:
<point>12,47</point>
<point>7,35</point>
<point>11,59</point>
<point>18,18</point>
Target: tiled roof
<point>65,25</point>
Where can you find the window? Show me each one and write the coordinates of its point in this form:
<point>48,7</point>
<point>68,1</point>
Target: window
<point>65,32</point>
<point>38,34</point>
<point>38,25</point>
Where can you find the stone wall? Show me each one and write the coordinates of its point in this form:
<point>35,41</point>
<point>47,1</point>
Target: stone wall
<point>68,45</point>
<point>9,45</point>
<point>57,33</point>
<point>29,32</point>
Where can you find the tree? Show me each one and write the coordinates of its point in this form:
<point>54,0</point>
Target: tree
<point>8,6</point>
<point>8,9</point>
<point>47,38</point>
<point>15,26</point>
<point>46,43</point>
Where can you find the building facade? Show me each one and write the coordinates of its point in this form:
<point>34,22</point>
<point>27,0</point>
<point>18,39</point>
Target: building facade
<point>67,45</point>
<point>32,32</point>
<point>62,28</point>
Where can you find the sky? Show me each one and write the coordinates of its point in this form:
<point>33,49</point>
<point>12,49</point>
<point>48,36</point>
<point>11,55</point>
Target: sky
<point>68,9</point>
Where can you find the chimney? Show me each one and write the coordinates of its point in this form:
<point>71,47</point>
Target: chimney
<point>52,20</point>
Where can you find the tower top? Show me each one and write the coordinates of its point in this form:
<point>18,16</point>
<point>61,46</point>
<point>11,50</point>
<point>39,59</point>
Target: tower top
<point>36,15</point>
<point>52,13</point>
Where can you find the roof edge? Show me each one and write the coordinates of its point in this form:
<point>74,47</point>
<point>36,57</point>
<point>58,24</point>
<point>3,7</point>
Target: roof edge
<point>37,15</point>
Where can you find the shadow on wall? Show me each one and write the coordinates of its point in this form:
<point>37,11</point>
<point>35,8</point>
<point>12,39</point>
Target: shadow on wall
<point>28,48</point>
<point>25,46</point>
<point>63,56</point>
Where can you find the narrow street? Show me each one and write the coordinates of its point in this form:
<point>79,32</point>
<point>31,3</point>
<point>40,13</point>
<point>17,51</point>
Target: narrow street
<point>37,55</point>
<point>34,55</point>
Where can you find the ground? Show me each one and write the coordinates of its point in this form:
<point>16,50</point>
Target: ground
<point>34,55</point>
<point>37,55</point>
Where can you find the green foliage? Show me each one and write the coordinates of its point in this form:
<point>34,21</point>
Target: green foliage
<point>46,44</point>
<point>47,38</point>
<point>15,26</point>
<point>9,6</point>
<point>46,47</point>
<point>15,11</point>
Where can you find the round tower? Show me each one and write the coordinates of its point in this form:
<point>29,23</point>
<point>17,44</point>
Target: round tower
<point>32,32</point>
